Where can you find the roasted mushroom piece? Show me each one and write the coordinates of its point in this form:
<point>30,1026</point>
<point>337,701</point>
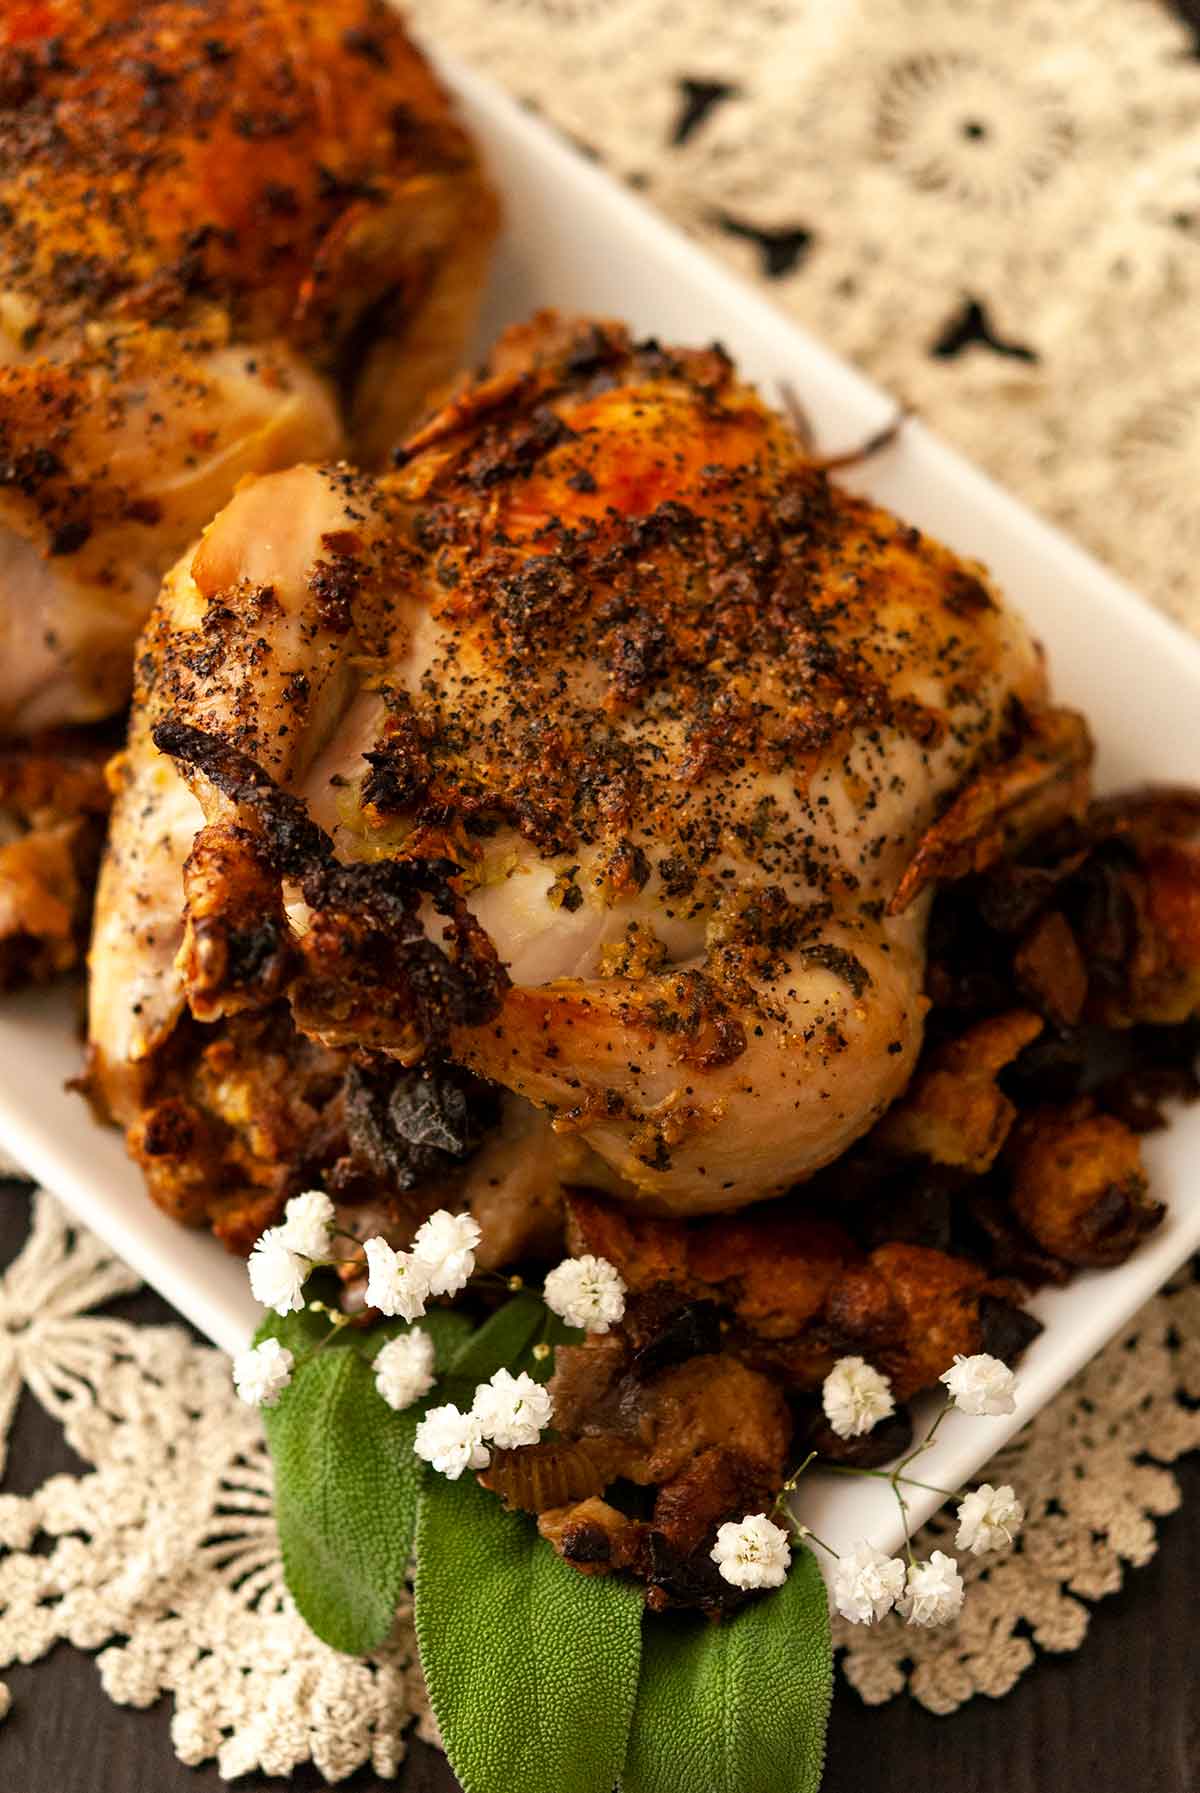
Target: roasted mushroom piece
<point>54,801</point>
<point>1079,1185</point>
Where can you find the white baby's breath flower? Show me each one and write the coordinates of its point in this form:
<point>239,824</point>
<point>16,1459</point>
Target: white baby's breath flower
<point>404,1369</point>
<point>866,1583</point>
<point>933,1592</point>
<point>753,1552</point>
<point>397,1282</point>
<point>980,1385</point>
<point>445,1245</point>
<point>307,1221</point>
<point>512,1410</point>
<point>261,1374</point>
<point>587,1292</point>
<point>277,1273</point>
<point>856,1397</point>
<point>451,1441</point>
<point>988,1519</point>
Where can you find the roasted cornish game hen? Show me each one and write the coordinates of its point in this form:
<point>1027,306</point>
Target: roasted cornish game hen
<point>604,821</point>
<point>585,751</point>
<point>236,234</point>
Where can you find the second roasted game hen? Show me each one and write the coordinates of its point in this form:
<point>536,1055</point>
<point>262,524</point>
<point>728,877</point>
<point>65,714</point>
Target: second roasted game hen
<point>236,234</point>
<point>594,760</point>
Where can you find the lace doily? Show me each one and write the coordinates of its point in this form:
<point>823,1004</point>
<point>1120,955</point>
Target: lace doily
<point>168,1542</point>
<point>992,209</point>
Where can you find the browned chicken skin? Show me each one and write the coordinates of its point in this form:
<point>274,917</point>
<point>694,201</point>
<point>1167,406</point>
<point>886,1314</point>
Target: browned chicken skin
<point>236,234</point>
<point>612,680</point>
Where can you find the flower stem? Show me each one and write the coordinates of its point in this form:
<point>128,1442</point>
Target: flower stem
<point>337,1319</point>
<point>805,1535</point>
<point>903,1504</point>
<point>926,1441</point>
<point>789,1487</point>
<point>887,1475</point>
<point>897,1476</point>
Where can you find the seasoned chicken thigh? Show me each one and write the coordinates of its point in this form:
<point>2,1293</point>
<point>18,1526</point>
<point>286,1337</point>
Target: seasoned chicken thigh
<point>587,750</point>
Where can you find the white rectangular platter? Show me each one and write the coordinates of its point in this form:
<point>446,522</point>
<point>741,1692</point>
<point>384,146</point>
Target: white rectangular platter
<point>577,241</point>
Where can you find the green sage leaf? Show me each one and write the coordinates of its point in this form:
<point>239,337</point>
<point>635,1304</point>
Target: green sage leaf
<point>301,1332</point>
<point>505,1341</point>
<point>343,1468</point>
<point>532,1667</point>
<point>346,1479</point>
<point>739,1707</point>
<point>448,1329</point>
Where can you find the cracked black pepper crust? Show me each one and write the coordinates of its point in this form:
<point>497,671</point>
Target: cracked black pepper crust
<point>680,609</point>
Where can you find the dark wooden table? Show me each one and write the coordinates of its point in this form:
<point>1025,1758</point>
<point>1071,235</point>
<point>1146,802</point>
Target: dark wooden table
<point>1118,1716</point>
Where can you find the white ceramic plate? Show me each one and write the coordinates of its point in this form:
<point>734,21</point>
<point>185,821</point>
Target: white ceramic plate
<point>577,241</point>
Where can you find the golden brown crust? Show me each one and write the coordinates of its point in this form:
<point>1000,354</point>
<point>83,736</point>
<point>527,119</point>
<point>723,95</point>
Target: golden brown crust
<point>607,648</point>
<point>589,1534</point>
<point>661,560</point>
<point>1158,979</point>
<point>798,1291</point>
<point>1051,969</point>
<point>229,1121</point>
<point>649,1427</point>
<point>653,1402</point>
<point>909,1310</point>
<point>773,1268</point>
<point>713,1401</point>
<point>1046,782</point>
<point>705,587</point>
<point>645,1250</point>
<point>717,1484</point>
<point>778,1274</point>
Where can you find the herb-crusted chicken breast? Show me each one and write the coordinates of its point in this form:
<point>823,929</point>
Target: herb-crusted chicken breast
<point>592,749</point>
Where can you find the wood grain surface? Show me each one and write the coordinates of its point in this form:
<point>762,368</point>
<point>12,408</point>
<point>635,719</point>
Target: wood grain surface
<point>1118,1716</point>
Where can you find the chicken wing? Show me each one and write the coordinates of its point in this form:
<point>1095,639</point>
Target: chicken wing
<point>587,750</point>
